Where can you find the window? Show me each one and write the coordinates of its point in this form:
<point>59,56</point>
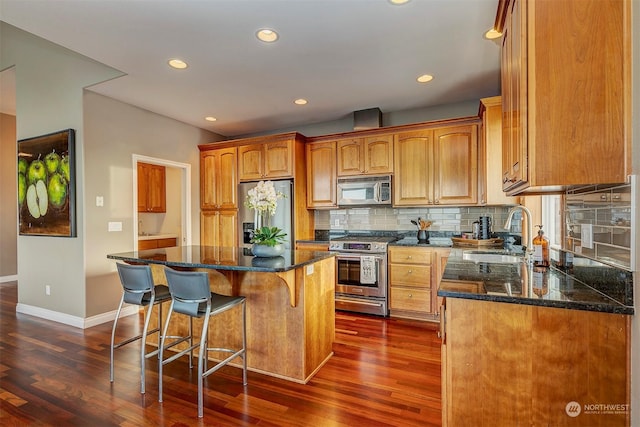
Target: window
<point>552,219</point>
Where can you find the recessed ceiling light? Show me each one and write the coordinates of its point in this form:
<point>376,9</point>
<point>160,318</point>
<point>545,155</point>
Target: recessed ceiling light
<point>425,78</point>
<point>178,64</point>
<point>266,35</point>
<point>210,119</point>
<point>492,34</point>
<point>398,1</point>
<point>300,101</point>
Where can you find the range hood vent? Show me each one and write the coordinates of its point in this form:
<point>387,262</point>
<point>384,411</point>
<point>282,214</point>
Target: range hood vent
<point>371,118</point>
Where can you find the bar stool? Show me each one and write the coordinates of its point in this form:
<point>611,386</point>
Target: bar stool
<point>191,295</point>
<point>139,289</point>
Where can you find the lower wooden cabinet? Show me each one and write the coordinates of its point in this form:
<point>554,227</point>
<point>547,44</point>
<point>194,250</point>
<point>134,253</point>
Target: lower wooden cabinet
<point>514,365</point>
<point>157,243</point>
<point>414,275</point>
<point>218,229</point>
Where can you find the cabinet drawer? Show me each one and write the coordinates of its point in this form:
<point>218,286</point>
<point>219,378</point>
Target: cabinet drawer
<point>410,255</point>
<point>410,299</point>
<point>157,243</point>
<point>167,243</point>
<point>410,275</point>
<point>147,244</point>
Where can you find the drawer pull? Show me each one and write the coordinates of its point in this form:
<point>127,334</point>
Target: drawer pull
<point>410,271</point>
<point>409,257</point>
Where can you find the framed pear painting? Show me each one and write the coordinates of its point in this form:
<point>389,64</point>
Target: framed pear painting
<point>46,185</point>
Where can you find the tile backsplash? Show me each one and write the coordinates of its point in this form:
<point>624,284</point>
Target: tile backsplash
<point>449,220</point>
<point>598,223</point>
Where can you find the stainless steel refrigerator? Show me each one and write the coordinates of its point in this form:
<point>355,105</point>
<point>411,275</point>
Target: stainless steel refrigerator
<point>282,218</point>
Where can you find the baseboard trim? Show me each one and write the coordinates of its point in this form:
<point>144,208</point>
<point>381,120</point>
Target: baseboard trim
<point>75,321</point>
<point>4,279</point>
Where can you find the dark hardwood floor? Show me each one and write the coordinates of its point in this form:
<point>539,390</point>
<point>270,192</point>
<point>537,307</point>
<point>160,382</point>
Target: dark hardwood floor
<point>385,372</point>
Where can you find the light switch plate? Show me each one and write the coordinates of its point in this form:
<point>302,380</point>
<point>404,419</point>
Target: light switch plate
<point>115,226</point>
<point>309,270</point>
<point>99,201</point>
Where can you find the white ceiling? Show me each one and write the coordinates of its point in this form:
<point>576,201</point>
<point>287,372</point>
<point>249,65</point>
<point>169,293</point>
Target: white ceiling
<point>341,55</point>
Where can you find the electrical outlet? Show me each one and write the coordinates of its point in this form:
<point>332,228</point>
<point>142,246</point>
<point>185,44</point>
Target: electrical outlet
<point>47,290</point>
<point>336,222</point>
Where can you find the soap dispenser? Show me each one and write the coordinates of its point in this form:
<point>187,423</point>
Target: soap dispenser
<point>540,249</point>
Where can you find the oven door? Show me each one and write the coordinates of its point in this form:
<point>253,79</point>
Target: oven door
<point>349,271</point>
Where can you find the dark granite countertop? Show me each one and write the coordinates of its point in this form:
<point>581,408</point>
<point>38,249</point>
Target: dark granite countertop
<point>432,243</point>
<point>582,287</point>
<point>219,258</point>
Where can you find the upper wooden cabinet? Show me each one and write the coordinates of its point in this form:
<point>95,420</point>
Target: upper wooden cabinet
<point>269,160</point>
<point>151,188</point>
<point>565,93</point>
<point>365,156</point>
<point>437,166</point>
<point>218,179</point>
<point>321,174</point>
<point>490,154</point>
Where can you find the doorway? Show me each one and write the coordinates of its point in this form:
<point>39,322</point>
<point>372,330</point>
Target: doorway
<point>182,195</point>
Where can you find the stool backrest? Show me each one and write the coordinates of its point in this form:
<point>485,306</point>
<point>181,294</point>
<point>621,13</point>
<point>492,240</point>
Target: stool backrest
<point>137,282</point>
<point>189,290</point>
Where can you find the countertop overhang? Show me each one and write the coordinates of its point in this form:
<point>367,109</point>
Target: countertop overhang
<point>222,258</point>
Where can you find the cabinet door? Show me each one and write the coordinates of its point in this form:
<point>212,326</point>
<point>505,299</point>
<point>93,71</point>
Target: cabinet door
<point>321,174</point>
<point>156,190</point>
<point>490,153</point>
<point>218,179</point>
<point>143,184</point>
<point>456,167</point>
<point>208,227</point>
<point>227,186</point>
<point>378,155</point>
<point>278,160</point>
<point>350,153</point>
<point>413,163</point>
<point>227,229</point>
<point>151,188</point>
<point>250,162</point>
<point>514,100</point>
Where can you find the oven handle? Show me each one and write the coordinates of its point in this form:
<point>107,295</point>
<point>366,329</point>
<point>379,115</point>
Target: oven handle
<point>359,301</point>
<point>378,257</point>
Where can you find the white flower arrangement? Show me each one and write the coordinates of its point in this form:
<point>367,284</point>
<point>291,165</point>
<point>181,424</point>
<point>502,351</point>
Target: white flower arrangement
<point>263,198</point>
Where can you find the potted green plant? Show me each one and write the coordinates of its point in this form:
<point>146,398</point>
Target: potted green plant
<point>263,199</point>
<point>267,241</point>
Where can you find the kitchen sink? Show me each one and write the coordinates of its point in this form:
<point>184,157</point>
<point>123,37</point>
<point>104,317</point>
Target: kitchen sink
<point>491,258</point>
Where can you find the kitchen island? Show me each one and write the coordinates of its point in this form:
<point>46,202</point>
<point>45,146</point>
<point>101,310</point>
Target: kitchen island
<point>530,346</point>
<point>290,303</point>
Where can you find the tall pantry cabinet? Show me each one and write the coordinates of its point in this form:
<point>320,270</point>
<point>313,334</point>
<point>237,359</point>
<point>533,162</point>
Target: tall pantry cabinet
<point>219,197</point>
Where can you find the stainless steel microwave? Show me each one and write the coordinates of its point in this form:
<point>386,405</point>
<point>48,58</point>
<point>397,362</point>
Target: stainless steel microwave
<point>364,191</point>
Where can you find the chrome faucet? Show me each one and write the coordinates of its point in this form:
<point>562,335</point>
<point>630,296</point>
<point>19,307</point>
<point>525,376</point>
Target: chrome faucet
<point>507,226</point>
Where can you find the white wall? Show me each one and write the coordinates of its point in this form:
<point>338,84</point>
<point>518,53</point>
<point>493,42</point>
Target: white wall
<point>114,132</point>
<point>50,81</point>
<point>49,84</point>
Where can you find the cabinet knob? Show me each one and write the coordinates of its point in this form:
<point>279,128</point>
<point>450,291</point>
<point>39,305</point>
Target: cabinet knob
<point>437,201</point>
<point>409,257</point>
<point>410,295</point>
<point>410,271</point>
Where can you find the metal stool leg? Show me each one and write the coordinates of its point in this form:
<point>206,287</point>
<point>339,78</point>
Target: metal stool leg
<point>113,336</point>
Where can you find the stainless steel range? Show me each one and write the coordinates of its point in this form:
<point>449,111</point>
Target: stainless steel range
<point>361,274</point>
